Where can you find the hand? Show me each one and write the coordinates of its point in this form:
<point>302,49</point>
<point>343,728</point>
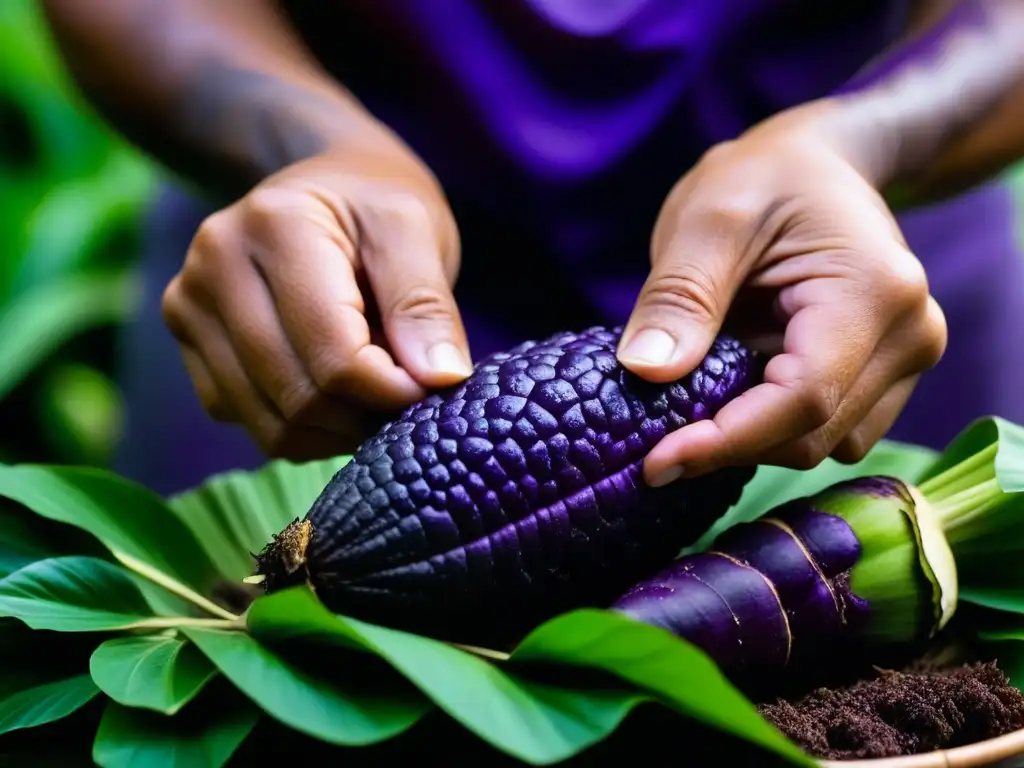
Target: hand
<point>778,238</point>
<point>321,296</point>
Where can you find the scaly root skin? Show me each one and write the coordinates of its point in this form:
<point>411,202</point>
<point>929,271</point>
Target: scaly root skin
<point>283,562</point>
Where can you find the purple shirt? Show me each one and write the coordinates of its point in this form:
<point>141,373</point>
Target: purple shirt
<point>557,127</point>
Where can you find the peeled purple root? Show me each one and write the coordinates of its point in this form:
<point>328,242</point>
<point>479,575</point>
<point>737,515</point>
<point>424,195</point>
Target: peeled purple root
<point>766,594</point>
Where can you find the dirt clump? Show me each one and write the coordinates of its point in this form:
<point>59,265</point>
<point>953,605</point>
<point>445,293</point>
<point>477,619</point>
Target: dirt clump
<point>919,709</point>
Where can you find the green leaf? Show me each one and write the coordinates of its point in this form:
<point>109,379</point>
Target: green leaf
<point>238,512</point>
<point>73,594</point>
<point>656,661</point>
<point>41,320</point>
<point>45,703</point>
<point>133,522</point>
<point>773,486</point>
<point>1006,646</point>
<point>44,676</point>
<point>310,703</point>
<point>203,735</point>
<point>159,672</point>
<point>534,722</point>
<point>21,542</point>
<point>978,436</point>
<point>26,537</point>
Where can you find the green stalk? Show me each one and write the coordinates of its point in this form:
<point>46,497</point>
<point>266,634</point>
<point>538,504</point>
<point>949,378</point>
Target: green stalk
<point>964,497</point>
<point>173,586</point>
<point>177,622</point>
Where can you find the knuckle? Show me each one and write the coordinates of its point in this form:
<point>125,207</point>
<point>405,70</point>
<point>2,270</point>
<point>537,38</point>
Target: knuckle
<point>172,307</point>
<point>935,334</point>
<point>686,288</point>
<point>194,279</point>
<point>852,449</point>
<point>266,204</point>
<point>739,214</point>
<point>422,302</point>
<point>216,407</point>
<point>718,155</point>
<point>212,399</point>
<point>329,371</point>
<point>818,403</point>
<point>405,209</point>
<point>905,281</point>
<point>809,451</point>
<point>274,440</point>
<point>298,401</point>
<point>213,233</point>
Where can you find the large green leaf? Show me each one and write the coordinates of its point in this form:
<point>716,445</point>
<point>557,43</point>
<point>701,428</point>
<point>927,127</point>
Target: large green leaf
<point>772,486</point>
<point>44,676</point>
<point>73,594</point>
<point>534,722</point>
<point>203,735</point>
<point>26,537</point>
<point>46,703</point>
<point>236,513</point>
<point>40,320</point>
<point>160,672</point>
<point>308,702</point>
<point>656,661</point>
<point>21,542</point>
<point>136,524</point>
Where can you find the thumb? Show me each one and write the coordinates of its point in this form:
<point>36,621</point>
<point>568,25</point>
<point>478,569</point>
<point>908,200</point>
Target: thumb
<point>417,307</point>
<point>680,309</point>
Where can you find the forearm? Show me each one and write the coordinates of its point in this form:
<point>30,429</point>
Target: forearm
<point>222,92</point>
<point>942,110</point>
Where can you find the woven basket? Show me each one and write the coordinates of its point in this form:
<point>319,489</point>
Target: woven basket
<point>984,754</point>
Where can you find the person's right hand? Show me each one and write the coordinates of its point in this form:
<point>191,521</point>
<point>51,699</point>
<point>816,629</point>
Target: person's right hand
<point>321,296</point>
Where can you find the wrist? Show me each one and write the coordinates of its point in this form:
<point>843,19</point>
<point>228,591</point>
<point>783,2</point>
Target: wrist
<point>257,123</point>
<point>908,114</point>
<point>865,142</point>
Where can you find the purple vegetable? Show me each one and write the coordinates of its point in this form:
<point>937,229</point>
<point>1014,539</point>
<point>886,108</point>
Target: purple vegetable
<point>516,495</point>
<point>864,560</point>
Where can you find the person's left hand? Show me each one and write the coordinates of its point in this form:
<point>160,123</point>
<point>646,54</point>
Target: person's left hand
<point>778,238</point>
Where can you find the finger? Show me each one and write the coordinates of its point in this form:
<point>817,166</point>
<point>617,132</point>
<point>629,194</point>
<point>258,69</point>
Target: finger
<point>876,398</point>
<point>210,396</point>
<point>696,269</point>
<point>876,425</point>
<point>268,429</point>
<point>303,261</point>
<point>829,341</point>
<point>400,253</point>
<point>265,353</point>
<point>886,370</point>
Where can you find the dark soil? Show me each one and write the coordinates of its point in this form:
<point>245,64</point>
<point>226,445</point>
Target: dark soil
<point>919,709</point>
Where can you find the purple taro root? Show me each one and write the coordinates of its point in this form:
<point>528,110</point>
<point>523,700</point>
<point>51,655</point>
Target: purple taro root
<point>863,565</point>
<point>518,494</point>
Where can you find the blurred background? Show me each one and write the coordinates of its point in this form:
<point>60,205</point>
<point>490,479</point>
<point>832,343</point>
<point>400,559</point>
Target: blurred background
<point>72,195</point>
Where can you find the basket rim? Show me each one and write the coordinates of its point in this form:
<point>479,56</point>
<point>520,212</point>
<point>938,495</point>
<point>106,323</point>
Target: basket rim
<point>981,753</point>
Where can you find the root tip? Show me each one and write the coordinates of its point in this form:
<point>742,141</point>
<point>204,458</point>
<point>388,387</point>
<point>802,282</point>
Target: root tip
<point>282,563</point>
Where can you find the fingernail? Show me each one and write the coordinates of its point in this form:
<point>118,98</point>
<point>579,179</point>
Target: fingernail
<point>446,358</point>
<point>652,346</point>
<point>667,476</point>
